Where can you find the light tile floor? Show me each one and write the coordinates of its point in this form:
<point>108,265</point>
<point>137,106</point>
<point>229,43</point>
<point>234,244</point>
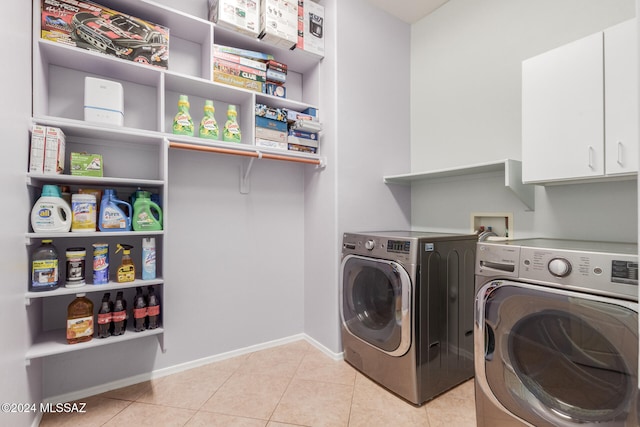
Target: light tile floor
<point>291,385</point>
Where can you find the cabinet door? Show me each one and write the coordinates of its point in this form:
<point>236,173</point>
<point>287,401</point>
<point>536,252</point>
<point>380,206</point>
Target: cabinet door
<point>562,112</point>
<point>621,98</point>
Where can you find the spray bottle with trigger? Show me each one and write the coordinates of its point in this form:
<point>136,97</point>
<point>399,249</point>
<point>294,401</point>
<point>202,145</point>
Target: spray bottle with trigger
<point>126,270</point>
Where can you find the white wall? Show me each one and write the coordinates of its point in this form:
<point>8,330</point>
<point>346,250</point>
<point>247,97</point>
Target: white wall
<point>365,92</point>
<point>19,383</point>
<point>466,109</point>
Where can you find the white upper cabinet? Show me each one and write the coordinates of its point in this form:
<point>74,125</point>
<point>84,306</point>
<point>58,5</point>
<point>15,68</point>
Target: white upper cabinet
<point>570,96</point>
<point>621,99</point>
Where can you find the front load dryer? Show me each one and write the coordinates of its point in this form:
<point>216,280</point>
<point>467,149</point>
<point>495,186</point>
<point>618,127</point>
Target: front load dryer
<point>556,334</point>
<point>407,309</point>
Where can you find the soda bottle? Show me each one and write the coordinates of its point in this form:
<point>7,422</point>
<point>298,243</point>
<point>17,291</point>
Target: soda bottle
<point>119,315</point>
<point>153,309</point>
<point>139,311</point>
<point>105,316</point>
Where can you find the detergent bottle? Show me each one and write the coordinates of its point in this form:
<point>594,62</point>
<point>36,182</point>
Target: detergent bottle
<point>147,215</point>
<point>208,125</point>
<point>182,123</point>
<point>51,213</point>
<point>112,217</point>
<point>231,131</point>
<point>127,269</point>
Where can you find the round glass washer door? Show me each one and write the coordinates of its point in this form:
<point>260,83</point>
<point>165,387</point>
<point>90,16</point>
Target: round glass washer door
<point>376,303</point>
<point>560,358</point>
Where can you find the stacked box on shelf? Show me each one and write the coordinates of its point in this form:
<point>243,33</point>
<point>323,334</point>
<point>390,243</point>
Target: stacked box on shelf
<point>304,131</point>
<point>271,127</point>
<point>279,23</point>
<point>242,16</point>
<point>240,67</point>
<point>276,78</point>
<point>310,27</point>
<point>92,26</point>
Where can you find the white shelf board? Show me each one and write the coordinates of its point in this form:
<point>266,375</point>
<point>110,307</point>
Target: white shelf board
<point>55,342</point>
<point>88,288</point>
<point>39,179</point>
<point>512,177</point>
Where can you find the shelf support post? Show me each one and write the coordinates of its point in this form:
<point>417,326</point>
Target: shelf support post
<point>245,172</point>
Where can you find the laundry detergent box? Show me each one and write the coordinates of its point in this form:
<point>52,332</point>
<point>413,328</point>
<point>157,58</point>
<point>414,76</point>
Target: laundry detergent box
<point>242,16</point>
<point>83,164</point>
<point>94,27</point>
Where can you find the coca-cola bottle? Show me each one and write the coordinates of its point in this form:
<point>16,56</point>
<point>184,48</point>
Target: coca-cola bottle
<point>105,316</point>
<point>119,315</point>
<point>153,309</point>
<point>139,311</point>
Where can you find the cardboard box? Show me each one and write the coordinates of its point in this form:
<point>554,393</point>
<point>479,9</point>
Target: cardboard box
<point>36,158</point>
<point>272,113</point>
<point>302,141</point>
<point>239,70</point>
<point>279,22</point>
<point>94,27</point>
<point>219,53</point>
<point>275,90</point>
<point>83,164</point>
<point>236,81</point>
<point>271,134</point>
<point>311,34</point>
<point>302,148</point>
<point>242,16</point>
<point>260,142</point>
<point>54,151</point>
<point>271,124</point>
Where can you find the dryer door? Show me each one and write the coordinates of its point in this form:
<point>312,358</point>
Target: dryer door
<point>557,358</point>
<point>376,303</point>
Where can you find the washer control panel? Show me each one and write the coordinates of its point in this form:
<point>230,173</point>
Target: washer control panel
<point>612,274</point>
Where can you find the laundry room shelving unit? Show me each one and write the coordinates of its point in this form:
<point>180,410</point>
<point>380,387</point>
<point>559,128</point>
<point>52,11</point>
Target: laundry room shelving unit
<point>512,170</point>
<point>136,154</point>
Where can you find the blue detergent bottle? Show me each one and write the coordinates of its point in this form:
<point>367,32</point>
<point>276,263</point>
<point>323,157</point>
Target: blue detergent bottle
<point>112,216</point>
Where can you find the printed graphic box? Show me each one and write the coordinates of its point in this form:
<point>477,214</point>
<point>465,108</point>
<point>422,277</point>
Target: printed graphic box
<point>83,164</point>
<point>94,27</point>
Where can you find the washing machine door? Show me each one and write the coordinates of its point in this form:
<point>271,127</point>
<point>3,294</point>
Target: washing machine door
<point>376,303</point>
<point>557,358</point>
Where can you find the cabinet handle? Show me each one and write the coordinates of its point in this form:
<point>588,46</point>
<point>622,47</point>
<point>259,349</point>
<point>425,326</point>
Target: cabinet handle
<point>590,157</point>
<point>620,153</point>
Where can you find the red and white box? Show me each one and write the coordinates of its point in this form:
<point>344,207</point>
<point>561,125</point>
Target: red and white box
<point>54,151</point>
<point>36,158</point>
<point>311,28</point>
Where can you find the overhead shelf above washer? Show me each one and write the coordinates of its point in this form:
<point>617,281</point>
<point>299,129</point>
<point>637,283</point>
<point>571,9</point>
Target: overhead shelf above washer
<point>512,177</point>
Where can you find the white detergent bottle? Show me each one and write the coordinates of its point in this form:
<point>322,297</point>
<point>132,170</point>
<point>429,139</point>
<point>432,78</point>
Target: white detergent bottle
<point>51,213</point>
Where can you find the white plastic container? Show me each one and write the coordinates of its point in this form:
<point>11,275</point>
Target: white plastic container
<point>83,208</point>
<point>148,258</point>
<point>51,213</point>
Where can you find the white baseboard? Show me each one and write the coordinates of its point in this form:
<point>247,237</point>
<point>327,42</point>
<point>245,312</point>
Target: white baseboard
<point>159,373</point>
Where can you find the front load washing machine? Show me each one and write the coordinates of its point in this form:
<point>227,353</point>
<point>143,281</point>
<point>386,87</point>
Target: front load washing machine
<point>556,334</point>
<point>407,309</point>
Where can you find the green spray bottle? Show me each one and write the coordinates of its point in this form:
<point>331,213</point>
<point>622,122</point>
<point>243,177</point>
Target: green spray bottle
<point>208,125</point>
<point>182,122</point>
<point>231,131</point>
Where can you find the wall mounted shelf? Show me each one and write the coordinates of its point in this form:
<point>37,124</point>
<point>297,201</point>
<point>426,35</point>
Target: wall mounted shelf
<point>512,177</point>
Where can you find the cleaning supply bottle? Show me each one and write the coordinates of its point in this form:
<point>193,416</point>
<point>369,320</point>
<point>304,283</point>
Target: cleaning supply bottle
<point>148,258</point>
<point>105,316</point>
<point>139,311</point>
<point>153,309</point>
<point>208,125</point>
<point>182,123</point>
<point>45,272</point>
<point>112,216</point>
<point>147,215</point>
<point>126,270</point>
<point>80,320</point>
<point>51,213</point>
<point>119,315</point>
<point>231,131</point>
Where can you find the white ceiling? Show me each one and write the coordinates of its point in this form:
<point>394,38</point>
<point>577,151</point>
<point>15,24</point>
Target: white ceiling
<point>408,10</point>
